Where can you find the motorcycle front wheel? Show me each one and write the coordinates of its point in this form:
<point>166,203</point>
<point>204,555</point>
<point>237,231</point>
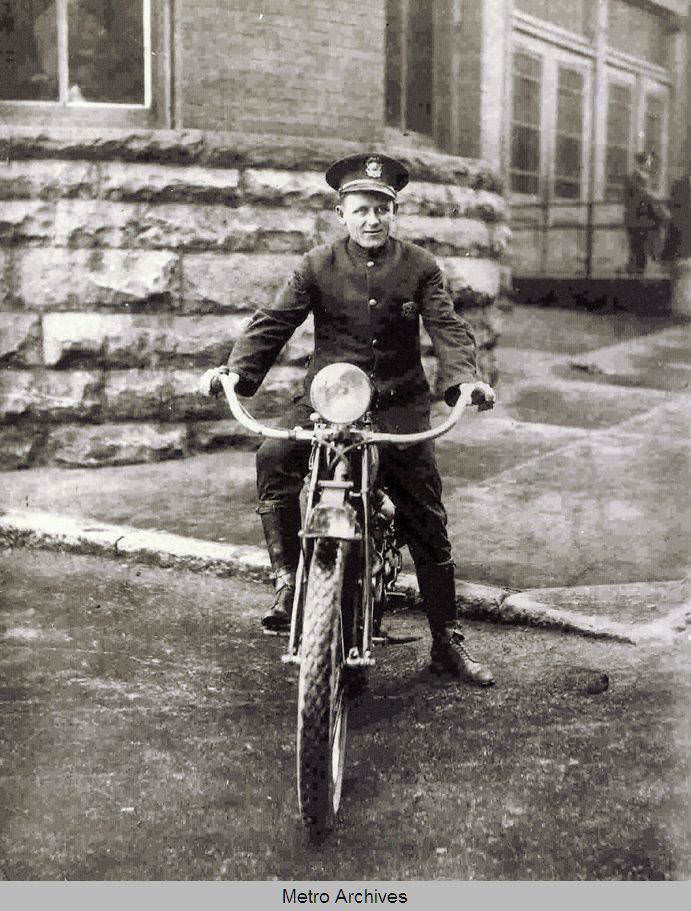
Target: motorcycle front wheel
<point>322,707</point>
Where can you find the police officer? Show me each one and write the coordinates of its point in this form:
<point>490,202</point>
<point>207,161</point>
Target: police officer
<point>367,293</point>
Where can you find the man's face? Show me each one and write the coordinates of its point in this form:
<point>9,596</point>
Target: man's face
<point>368,217</point>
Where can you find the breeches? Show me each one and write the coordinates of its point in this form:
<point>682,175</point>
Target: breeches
<point>410,475</point>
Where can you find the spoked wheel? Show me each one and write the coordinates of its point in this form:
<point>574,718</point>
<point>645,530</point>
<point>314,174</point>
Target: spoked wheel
<point>322,707</point>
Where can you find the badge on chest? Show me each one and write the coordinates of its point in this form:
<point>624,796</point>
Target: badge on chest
<point>409,310</point>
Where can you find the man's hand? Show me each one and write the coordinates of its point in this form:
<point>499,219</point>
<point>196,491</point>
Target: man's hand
<point>210,384</point>
<point>483,395</point>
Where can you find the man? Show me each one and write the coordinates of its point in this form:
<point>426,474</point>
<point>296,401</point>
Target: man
<point>367,293</point>
<point>644,215</point>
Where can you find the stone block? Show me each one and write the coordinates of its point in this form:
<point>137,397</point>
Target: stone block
<point>424,198</point>
<point>238,281</point>
<point>46,179</point>
<point>101,144</point>
<point>230,149</point>
<point>446,236</point>
<point>26,221</point>
<point>47,395</point>
<point>208,435</point>
<point>303,189</point>
<point>171,395</point>
<point>245,229</point>
<point>466,275</point>
<point>446,200</point>
<point>115,444</point>
<point>160,395</point>
<point>281,385</point>
<point>92,223</point>
<point>179,226</point>
<point>143,340</point>
<point>61,279</point>
<point>20,335</point>
<point>121,180</point>
<point>500,239</point>
<point>19,446</point>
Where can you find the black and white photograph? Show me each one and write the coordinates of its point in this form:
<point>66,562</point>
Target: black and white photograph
<point>344,447</point>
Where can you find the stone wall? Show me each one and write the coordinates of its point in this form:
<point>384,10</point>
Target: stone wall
<point>130,261</point>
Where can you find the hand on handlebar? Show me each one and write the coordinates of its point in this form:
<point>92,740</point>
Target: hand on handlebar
<point>210,384</point>
<point>482,395</point>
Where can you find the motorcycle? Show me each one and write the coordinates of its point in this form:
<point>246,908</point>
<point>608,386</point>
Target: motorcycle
<point>349,562</point>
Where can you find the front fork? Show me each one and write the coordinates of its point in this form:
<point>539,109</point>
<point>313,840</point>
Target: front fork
<point>334,493</point>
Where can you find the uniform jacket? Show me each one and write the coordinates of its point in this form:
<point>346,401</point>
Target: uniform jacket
<point>367,306</point>
<point>642,211</point>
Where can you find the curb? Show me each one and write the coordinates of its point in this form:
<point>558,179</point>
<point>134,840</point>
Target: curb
<point>72,534</point>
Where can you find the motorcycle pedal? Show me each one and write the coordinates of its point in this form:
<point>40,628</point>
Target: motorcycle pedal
<point>281,633</point>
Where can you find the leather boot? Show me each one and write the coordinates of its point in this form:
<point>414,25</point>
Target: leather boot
<point>281,524</point>
<point>448,655</point>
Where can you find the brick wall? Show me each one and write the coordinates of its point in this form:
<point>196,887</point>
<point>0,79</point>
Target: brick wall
<point>310,68</point>
<point>130,260</point>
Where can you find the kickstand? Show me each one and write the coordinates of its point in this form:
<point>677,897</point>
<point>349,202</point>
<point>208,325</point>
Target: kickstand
<point>385,638</point>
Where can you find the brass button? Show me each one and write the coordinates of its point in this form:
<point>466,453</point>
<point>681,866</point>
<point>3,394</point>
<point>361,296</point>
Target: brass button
<point>370,264</point>
<point>375,342</point>
<point>372,302</point>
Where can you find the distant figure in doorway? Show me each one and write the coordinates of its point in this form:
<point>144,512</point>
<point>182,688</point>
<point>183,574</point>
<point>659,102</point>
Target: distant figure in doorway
<point>644,216</point>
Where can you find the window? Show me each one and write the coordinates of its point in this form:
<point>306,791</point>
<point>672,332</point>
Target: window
<point>619,111</point>
<point>569,145</point>
<point>653,136</point>
<point>548,140</point>
<point>525,123</point>
<point>636,121</point>
<point>74,51</point>
<point>82,61</point>
<point>409,81</point>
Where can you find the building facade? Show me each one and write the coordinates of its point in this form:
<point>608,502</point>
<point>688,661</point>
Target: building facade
<point>161,169</point>
<point>591,83</point>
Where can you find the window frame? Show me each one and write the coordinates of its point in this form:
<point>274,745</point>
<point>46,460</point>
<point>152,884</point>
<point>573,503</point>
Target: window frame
<point>541,151</point>
<point>642,86</point>
<point>402,126</point>
<point>615,77</point>
<point>552,56</point>
<point>653,88</point>
<point>154,112</point>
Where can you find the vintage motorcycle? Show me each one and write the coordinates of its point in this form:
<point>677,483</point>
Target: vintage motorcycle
<point>347,570</point>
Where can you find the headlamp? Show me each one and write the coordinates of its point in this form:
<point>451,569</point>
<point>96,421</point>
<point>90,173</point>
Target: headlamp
<point>341,393</point>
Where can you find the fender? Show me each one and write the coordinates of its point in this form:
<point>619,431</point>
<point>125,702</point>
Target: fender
<point>330,520</point>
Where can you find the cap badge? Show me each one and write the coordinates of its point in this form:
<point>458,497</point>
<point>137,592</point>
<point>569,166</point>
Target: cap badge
<point>373,168</point>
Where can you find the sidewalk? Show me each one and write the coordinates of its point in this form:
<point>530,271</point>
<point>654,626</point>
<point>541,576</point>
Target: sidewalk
<point>568,504</point>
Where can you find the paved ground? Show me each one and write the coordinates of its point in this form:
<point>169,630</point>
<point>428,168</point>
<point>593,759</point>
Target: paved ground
<point>149,728</point>
<point>148,734</point>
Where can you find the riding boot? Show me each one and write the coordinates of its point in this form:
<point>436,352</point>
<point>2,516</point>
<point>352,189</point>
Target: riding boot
<point>449,655</point>
<point>281,524</point>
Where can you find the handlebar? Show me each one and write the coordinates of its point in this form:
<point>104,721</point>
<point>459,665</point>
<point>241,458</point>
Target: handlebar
<point>230,381</point>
